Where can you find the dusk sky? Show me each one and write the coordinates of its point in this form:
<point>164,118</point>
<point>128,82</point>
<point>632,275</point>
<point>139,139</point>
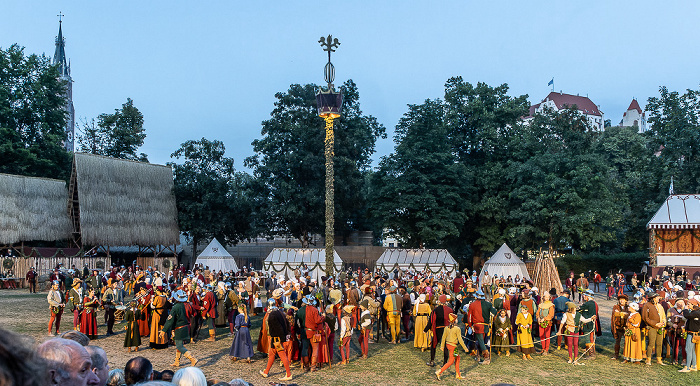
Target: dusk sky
<point>211,69</point>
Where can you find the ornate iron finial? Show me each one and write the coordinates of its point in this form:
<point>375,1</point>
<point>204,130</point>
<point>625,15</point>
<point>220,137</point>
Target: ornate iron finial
<point>60,17</point>
<point>329,45</point>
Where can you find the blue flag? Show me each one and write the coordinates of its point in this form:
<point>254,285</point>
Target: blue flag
<point>551,82</point>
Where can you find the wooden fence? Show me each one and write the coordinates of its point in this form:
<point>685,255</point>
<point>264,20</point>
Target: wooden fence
<point>44,265</point>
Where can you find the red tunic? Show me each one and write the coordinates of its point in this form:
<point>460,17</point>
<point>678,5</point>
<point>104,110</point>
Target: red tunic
<point>209,305</point>
<point>314,321</point>
<point>476,319</point>
<point>144,325</point>
<point>88,319</point>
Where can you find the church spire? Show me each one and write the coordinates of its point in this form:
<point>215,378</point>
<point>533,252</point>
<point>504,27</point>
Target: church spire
<point>59,57</point>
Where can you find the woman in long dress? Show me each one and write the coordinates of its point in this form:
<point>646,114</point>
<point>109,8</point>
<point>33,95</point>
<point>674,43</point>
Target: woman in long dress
<point>421,311</point>
<point>242,345</point>
<point>160,313</point>
<point>633,338</point>
<point>524,323</point>
<point>502,330</point>
<point>88,321</point>
<point>132,338</point>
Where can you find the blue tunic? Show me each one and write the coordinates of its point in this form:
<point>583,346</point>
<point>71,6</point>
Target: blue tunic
<point>242,346</point>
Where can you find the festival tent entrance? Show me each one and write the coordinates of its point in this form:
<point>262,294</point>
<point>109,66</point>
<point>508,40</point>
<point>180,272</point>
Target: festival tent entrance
<point>505,263</point>
<point>283,261</point>
<point>435,260</point>
<point>217,258</point>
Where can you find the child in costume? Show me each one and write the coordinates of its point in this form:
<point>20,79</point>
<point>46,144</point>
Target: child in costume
<point>450,337</point>
<point>133,336</point>
<point>345,334</point>
<point>502,330</point>
<point>524,323</point>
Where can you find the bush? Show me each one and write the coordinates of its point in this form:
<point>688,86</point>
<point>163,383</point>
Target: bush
<point>604,264</point>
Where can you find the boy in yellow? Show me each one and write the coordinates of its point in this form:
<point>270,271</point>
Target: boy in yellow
<point>524,323</point>
<point>392,305</point>
<point>451,336</point>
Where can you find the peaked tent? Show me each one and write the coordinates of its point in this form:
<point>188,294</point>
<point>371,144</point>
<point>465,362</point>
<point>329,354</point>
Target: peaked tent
<point>217,258</point>
<point>283,261</point>
<point>435,260</point>
<point>505,263</point>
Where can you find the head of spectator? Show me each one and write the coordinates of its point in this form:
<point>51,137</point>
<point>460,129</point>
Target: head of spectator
<point>167,375</point>
<point>138,370</point>
<point>189,376</point>
<point>68,363</point>
<point>116,377</point>
<point>76,336</point>
<point>99,363</point>
<point>156,375</point>
<point>19,364</point>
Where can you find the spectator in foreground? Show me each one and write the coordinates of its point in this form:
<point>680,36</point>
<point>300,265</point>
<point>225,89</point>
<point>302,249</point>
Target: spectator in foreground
<point>100,366</point>
<point>76,336</point>
<point>68,363</point>
<point>167,375</point>
<point>189,376</point>
<point>116,377</point>
<point>138,370</point>
<point>19,364</point>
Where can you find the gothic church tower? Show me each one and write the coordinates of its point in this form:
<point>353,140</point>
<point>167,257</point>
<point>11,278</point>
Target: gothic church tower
<point>59,58</point>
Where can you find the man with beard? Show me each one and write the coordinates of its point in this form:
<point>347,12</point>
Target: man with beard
<point>620,313</point>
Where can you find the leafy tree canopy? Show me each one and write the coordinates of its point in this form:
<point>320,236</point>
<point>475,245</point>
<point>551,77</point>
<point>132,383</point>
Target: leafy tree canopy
<point>117,135</point>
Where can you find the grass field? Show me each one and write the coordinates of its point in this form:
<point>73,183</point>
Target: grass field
<point>387,364</point>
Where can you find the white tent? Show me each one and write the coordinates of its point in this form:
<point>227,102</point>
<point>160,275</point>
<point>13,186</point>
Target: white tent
<point>436,260</point>
<point>284,261</point>
<point>505,263</point>
<point>217,258</point>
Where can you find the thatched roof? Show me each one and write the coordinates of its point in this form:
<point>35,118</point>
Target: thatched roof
<point>124,202</point>
<point>33,209</point>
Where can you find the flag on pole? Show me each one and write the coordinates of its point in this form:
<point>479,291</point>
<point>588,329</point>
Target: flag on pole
<point>551,82</point>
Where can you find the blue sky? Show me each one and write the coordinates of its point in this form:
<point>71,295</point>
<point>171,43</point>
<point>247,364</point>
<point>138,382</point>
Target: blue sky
<point>211,69</point>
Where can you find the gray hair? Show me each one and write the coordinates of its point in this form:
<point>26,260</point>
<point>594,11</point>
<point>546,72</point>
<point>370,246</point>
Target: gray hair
<point>57,357</point>
<point>116,377</point>
<point>189,376</point>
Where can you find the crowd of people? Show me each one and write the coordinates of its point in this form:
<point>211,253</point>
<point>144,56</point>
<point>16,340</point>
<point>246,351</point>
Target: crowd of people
<point>305,319</point>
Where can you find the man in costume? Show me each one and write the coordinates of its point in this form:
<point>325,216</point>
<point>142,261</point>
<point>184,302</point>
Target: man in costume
<point>618,321</point>
<point>560,308</point>
<point>314,328</point>
<point>479,320</point>
<point>31,280</point>
<point>75,302</point>
<point>676,324</point>
<point>392,306</point>
<point>159,304</point>
<point>300,322</point>
<point>589,309</point>
<point>276,326</point>
<point>436,323</point>
<point>209,312</point>
<point>544,316</point>
<point>56,305</point>
<point>571,285</point>
<point>178,324</point>
<point>581,286</point>
<point>111,299</point>
<point>654,316</point>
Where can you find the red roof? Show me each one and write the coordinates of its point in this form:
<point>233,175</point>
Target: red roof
<point>584,104</point>
<point>634,106</point>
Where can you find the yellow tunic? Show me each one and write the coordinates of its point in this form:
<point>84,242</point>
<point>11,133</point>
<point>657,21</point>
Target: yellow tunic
<point>421,339</point>
<point>524,321</point>
<point>633,350</point>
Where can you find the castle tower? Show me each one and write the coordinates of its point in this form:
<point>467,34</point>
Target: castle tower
<point>634,116</point>
<point>59,58</point>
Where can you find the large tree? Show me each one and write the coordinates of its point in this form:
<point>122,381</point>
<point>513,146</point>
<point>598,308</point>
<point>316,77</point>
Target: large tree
<point>420,191</point>
<point>289,164</point>
<point>212,198</point>
<point>675,135</point>
<point>32,116</point>
<point>117,135</point>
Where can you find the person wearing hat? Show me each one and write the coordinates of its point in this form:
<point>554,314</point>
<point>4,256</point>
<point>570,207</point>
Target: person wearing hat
<point>676,325</point>
<point>132,338</point>
<point>313,323</point>
<point>589,310</point>
<point>231,305</point>
<point>633,338</point>
<point>56,305</point>
<point>654,316</point>
<point>178,324</point>
<point>143,300</point>
<point>571,327</point>
<point>110,300</point>
<point>618,322</point>
<point>450,338</point>
<point>75,302</point>
<point>581,285</point>
<point>88,319</point>
<point>365,326</point>
<point>209,312</point>
<point>346,331</point>
<point>559,310</point>
<point>570,283</point>
<point>502,333</point>
<point>479,317</point>
<point>300,322</point>
<point>277,330</point>
<point>31,277</point>
<point>392,304</point>
<point>437,322</point>
<point>421,312</point>
<point>159,303</point>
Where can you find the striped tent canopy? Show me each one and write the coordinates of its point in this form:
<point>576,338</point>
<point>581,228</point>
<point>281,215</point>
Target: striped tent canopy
<point>435,260</point>
<point>679,211</point>
<point>284,261</point>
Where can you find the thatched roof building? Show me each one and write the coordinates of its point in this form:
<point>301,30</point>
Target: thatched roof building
<point>33,209</point>
<point>120,202</point>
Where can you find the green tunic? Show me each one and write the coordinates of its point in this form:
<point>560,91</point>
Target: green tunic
<point>132,337</point>
<point>587,310</point>
<point>177,319</point>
